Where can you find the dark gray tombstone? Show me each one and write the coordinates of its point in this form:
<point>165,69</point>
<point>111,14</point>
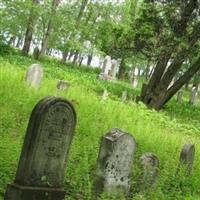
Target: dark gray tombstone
<point>36,53</point>
<point>114,164</point>
<point>186,158</point>
<point>43,159</point>
<point>34,75</point>
<point>150,167</point>
<point>63,85</point>
<point>179,96</point>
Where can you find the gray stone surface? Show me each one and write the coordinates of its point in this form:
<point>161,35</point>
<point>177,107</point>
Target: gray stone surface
<point>63,85</point>
<point>45,150</point>
<point>114,68</point>
<point>106,63</point>
<point>114,164</point>
<point>150,167</point>
<point>187,158</point>
<point>193,95</point>
<point>34,75</point>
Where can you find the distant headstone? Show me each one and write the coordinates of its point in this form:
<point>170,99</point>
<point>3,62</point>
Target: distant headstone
<point>114,164</point>
<point>179,96</point>
<point>34,75</point>
<point>193,95</point>
<point>42,163</point>
<point>105,95</point>
<point>106,64</point>
<point>114,68</point>
<point>150,166</point>
<point>187,158</point>
<point>124,95</point>
<point>36,53</point>
<point>63,85</point>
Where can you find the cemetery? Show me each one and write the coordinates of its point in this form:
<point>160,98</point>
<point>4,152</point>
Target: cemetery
<point>99,100</point>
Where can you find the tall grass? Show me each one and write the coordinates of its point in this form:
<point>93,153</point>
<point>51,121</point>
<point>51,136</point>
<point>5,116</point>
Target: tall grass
<point>162,133</point>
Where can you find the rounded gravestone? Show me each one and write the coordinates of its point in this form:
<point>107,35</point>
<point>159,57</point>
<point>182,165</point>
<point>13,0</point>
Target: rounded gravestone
<point>44,154</point>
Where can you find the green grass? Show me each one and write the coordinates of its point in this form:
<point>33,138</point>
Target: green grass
<point>162,133</point>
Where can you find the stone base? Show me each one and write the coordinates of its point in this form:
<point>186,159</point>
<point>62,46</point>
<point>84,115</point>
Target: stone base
<point>18,192</point>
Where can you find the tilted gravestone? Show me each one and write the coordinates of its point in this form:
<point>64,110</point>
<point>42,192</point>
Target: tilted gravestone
<point>114,164</point>
<point>150,167</point>
<point>63,85</point>
<point>34,75</point>
<point>42,163</point>
<point>186,158</point>
<point>193,95</point>
<point>179,96</point>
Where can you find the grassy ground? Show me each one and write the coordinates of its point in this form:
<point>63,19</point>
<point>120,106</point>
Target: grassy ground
<point>162,133</point>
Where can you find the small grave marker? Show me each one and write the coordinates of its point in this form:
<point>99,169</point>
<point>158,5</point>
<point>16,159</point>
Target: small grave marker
<point>34,75</point>
<point>187,158</point>
<point>150,165</point>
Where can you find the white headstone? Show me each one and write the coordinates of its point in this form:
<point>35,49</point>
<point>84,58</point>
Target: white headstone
<point>193,95</point>
<point>34,75</point>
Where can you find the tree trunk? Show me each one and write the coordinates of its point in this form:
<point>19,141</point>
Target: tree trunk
<point>29,30</point>
<point>64,56</point>
<point>122,69</point>
<point>75,57</point>
<point>89,60</point>
<point>45,39</point>
<point>158,92</point>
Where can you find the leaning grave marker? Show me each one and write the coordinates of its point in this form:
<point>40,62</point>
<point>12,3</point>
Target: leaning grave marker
<point>42,162</point>
<point>114,164</point>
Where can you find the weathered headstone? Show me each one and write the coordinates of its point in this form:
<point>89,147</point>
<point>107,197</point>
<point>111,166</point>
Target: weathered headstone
<point>114,67</point>
<point>193,95</point>
<point>105,66</point>
<point>150,166</point>
<point>36,53</point>
<point>124,95</point>
<point>42,163</point>
<point>114,164</point>
<point>34,75</point>
<point>179,96</point>
<point>187,158</point>
<point>63,85</point>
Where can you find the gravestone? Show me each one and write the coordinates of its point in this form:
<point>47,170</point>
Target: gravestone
<point>34,75</point>
<point>150,165</point>
<point>187,158</point>
<point>36,53</point>
<point>63,85</point>
<point>105,66</point>
<point>114,164</point>
<point>134,82</point>
<point>43,159</point>
<point>193,95</point>
<point>124,95</point>
<point>179,96</point>
<point>114,67</point>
